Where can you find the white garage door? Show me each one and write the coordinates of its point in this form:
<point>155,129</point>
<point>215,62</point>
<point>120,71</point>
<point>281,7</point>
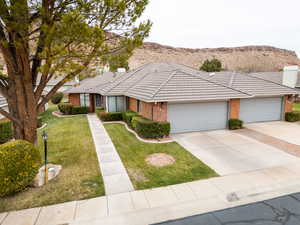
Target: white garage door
<point>260,109</point>
<point>197,116</point>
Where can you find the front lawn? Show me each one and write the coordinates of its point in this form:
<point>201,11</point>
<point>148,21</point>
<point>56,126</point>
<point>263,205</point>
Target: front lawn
<point>70,145</point>
<point>133,153</point>
<point>296,107</point>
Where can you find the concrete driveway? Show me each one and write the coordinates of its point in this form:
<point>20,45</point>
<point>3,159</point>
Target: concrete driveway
<point>289,132</point>
<point>227,152</point>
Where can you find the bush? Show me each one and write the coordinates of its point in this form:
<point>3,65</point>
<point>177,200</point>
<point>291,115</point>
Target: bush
<point>39,122</point>
<point>235,124</point>
<point>213,65</point>
<point>292,116</point>
<point>6,131</point>
<point>127,117</point>
<point>65,108</point>
<point>79,110</point>
<point>19,164</point>
<point>105,116</point>
<point>57,97</point>
<point>99,109</point>
<point>150,129</point>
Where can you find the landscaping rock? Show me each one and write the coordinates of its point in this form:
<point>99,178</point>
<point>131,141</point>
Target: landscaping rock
<point>53,171</point>
<point>160,159</point>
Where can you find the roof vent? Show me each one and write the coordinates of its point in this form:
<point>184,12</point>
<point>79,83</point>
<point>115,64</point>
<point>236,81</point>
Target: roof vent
<point>290,76</point>
<point>212,74</point>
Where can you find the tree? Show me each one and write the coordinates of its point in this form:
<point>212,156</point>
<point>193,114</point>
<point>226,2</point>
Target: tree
<point>213,65</point>
<point>59,38</point>
<point>119,61</point>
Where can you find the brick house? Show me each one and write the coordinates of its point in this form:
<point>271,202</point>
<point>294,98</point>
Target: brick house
<point>189,99</point>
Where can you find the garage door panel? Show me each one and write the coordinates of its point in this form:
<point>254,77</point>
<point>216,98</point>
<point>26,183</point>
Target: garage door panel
<point>197,116</point>
<point>260,109</point>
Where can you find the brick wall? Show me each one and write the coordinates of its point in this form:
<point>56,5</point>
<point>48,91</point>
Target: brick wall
<point>152,111</point>
<point>74,99</point>
<point>288,104</point>
<point>234,108</point>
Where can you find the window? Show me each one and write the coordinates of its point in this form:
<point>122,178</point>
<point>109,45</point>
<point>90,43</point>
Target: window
<point>85,100</point>
<point>98,100</point>
<point>116,104</point>
<point>138,105</point>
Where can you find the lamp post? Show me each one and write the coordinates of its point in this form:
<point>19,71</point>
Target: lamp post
<point>45,137</point>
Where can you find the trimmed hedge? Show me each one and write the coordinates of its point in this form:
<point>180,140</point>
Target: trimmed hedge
<point>57,97</point>
<point>292,116</point>
<point>150,129</point>
<point>69,109</point>
<point>99,109</point>
<point>19,164</point>
<point>114,116</point>
<point>6,131</point>
<point>65,108</point>
<point>79,110</point>
<point>235,124</point>
<point>127,117</point>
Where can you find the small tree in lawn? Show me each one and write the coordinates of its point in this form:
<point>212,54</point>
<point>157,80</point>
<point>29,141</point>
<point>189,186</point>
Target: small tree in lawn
<point>213,65</point>
<point>62,38</point>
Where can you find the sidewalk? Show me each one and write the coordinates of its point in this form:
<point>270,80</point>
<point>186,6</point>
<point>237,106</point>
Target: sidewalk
<point>115,177</point>
<point>166,203</point>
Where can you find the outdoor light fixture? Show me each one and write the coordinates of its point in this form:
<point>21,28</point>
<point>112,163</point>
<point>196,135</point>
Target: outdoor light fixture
<point>45,137</point>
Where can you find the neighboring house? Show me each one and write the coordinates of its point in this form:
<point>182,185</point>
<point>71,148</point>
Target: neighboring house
<point>54,81</point>
<point>189,99</point>
<point>3,105</point>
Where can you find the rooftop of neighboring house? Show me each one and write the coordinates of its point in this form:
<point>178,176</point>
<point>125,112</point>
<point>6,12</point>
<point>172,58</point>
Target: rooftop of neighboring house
<point>92,84</point>
<point>2,101</point>
<point>55,80</point>
<point>158,82</point>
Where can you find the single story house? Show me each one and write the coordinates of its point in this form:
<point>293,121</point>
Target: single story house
<point>191,100</point>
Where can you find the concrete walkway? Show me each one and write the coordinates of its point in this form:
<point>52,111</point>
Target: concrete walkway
<point>166,203</point>
<point>115,177</point>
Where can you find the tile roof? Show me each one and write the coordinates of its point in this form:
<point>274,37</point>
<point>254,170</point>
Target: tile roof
<point>2,101</point>
<point>155,82</point>
<point>250,84</point>
<point>276,77</point>
<point>94,84</point>
<point>55,80</point>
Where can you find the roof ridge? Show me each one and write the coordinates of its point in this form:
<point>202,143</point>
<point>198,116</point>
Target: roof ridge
<point>164,83</point>
<point>133,72</point>
<point>217,83</point>
<point>247,74</point>
<point>232,79</point>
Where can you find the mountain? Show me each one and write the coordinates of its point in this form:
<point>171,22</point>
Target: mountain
<point>245,59</point>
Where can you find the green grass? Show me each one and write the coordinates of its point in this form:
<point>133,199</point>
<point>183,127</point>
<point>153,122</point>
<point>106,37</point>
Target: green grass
<point>296,107</point>
<point>70,145</point>
<point>133,153</point>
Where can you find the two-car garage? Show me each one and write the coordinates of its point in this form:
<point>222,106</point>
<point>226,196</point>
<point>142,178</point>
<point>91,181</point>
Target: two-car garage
<point>200,116</point>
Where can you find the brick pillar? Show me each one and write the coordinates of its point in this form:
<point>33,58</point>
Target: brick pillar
<point>234,108</point>
<point>288,104</point>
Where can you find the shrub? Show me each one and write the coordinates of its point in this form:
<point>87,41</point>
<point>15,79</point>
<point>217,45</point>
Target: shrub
<point>127,117</point>
<point>65,108</point>
<point>292,116</point>
<point>150,129</point>
<point>57,97</point>
<point>114,116</point>
<point>99,109</point>
<point>235,124</point>
<point>79,110</point>
<point>6,131</point>
<point>213,65</point>
<point>39,122</point>
<point>19,164</point>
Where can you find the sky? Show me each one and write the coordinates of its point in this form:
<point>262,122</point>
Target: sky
<point>225,23</point>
